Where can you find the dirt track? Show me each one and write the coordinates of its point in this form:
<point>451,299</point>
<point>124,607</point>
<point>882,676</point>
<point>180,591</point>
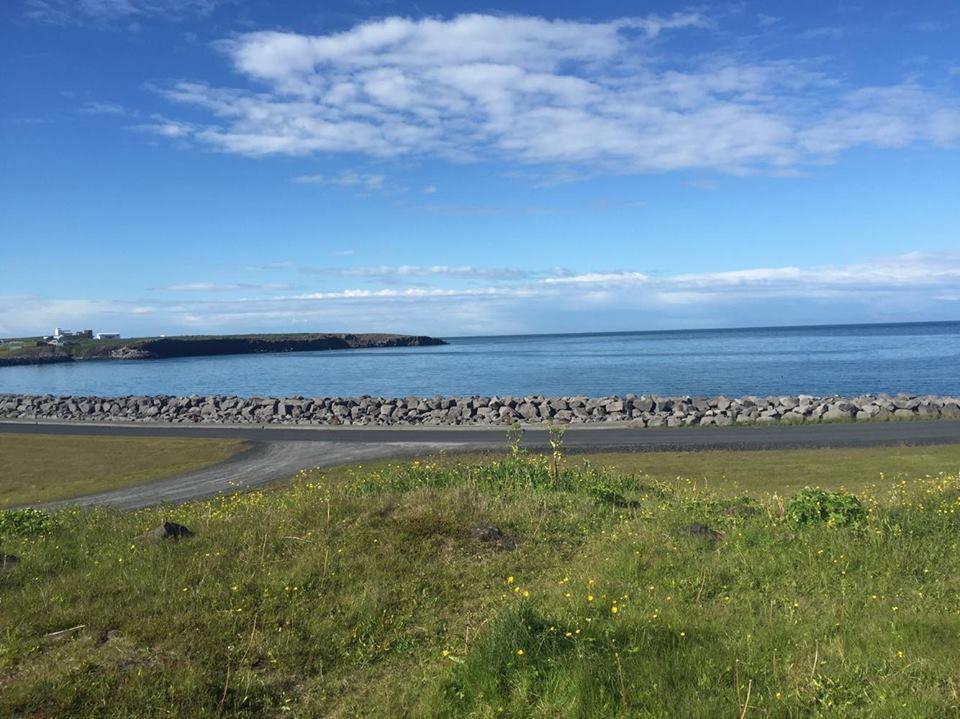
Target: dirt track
<point>280,452</point>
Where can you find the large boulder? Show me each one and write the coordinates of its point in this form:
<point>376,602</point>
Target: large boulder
<point>837,413</point>
<point>614,405</point>
<point>528,411</point>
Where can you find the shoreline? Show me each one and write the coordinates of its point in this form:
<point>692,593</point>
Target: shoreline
<point>474,411</point>
<point>149,348</point>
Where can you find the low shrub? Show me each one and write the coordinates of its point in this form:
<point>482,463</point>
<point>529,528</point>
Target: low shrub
<point>24,522</point>
<point>838,509</point>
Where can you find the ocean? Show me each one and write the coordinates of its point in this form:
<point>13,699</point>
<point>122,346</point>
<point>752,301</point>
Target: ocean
<point>917,358</point>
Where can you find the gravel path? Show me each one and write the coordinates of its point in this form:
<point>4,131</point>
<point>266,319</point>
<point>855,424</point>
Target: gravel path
<point>264,462</point>
<point>281,452</point>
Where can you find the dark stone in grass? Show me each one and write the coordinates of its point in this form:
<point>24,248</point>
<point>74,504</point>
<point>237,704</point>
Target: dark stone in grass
<point>167,530</point>
<point>487,534</point>
<point>8,561</point>
<point>494,536</point>
<point>703,531</point>
<point>107,635</point>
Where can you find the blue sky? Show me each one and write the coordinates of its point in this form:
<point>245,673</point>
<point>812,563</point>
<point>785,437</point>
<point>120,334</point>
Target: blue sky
<point>176,166</point>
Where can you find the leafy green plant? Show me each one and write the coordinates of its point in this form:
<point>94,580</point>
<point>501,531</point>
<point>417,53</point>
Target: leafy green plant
<point>838,509</point>
<point>24,522</point>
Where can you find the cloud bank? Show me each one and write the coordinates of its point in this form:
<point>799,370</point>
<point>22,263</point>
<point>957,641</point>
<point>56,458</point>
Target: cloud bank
<point>606,96</point>
<point>453,301</point>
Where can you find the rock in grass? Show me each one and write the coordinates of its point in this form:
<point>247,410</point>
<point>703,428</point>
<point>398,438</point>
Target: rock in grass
<point>167,530</point>
<point>494,536</point>
<point>703,531</point>
<point>487,534</point>
<point>8,561</point>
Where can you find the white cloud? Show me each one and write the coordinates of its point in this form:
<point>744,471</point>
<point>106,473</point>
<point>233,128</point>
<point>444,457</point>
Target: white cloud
<point>899,288</point>
<point>600,278</point>
<point>347,178</point>
<point>394,274</point>
<point>103,108</point>
<point>170,129</point>
<point>63,12</point>
<point>222,287</point>
<point>384,272</point>
<point>418,292</point>
<point>885,117</point>
<point>883,276</point>
<point>601,95</point>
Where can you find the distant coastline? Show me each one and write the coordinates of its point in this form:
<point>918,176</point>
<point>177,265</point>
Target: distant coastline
<point>848,361</point>
<point>33,352</point>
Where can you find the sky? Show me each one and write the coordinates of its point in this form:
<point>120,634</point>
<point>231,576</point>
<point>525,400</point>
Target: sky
<point>454,168</point>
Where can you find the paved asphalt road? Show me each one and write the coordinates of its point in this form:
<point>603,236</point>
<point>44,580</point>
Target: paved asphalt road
<point>280,452</point>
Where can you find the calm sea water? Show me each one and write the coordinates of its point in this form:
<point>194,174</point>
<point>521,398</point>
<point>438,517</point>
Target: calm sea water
<point>848,360</point>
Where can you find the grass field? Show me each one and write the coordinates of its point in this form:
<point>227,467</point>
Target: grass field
<point>786,471</point>
<point>42,468</point>
<point>365,592</point>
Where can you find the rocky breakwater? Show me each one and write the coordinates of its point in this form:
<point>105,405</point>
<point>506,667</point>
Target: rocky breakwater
<point>638,411</point>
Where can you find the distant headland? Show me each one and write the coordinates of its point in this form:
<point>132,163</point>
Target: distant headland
<point>72,347</point>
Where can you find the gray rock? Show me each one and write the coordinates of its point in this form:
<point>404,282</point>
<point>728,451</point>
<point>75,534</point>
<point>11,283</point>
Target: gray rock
<point>950,409</point>
<point>835,413</point>
<point>528,411</point>
<point>167,530</point>
<point>614,406</point>
<point>644,404</point>
<point>493,536</point>
<point>928,410</point>
<point>647,410</point>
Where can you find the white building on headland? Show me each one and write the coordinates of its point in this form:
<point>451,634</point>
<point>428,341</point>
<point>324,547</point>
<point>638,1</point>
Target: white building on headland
<point>61,336</point>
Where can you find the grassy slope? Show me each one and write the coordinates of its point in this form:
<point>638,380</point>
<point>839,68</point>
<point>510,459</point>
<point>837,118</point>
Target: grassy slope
<point>41,468</point>
<point>363,593</point>
<point>757,473</point>
<point>786,471</point>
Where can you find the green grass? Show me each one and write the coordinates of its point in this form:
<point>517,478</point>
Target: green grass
<point>363,592</point>
<point>787,471</point>
<point>43,468</point>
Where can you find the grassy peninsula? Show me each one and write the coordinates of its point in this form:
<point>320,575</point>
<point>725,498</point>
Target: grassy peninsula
<point>516,586</point>
<point>33,350</point>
